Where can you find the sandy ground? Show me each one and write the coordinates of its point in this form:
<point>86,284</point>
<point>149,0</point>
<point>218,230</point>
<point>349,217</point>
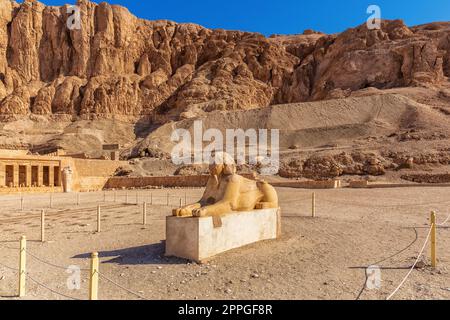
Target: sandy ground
<point>320,258</point>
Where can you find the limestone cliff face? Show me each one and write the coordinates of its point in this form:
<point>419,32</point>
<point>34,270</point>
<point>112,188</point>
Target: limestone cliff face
<point>119,65</point>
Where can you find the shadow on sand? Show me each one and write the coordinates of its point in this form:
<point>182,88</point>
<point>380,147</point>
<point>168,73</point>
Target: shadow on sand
<point>149,254</point>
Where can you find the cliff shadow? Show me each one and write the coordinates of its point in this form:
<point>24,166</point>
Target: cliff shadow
<point>144,126</point>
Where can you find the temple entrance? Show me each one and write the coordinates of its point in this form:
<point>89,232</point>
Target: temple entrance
<point>56,177</point>
<point>9,176</point>
<point>22,176</point>
<point>34,176</point>
<point>46,176</point>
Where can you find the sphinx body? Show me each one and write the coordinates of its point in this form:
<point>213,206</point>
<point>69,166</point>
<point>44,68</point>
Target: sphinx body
<point>227,191</point>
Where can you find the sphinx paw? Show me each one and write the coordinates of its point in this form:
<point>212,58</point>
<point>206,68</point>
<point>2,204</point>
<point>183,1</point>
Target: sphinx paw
<point>202,212</point>
<point>265,205</point>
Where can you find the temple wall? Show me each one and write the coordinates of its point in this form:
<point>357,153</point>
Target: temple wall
<point>20,172</point>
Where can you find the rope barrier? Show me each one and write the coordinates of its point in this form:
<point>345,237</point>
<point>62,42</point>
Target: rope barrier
<point>39,283</point>
<point>65,268</point>
<point>443,223</point>
<point>168,197</point>
<point>7,267</point>
<point>416,236</point>
<point>412,268</point>
<point>384,206</point>
<point>49,263</point>
<point>122,287</point>
<point>59,213</point>
<point>52,290</point>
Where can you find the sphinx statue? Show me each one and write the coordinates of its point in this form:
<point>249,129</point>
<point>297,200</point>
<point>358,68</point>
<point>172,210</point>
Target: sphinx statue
<point>226,191</point>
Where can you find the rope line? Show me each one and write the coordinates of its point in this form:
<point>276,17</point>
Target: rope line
<point>122,287</point>
<point>49,263</point>
<point>413,266</point>
<point>385,206</point>
<point>42,260</point>
<point>387,259</point>
<point>7,267</point>
<point>39,283</point>
<point>443,223</point>
<point>50,289</point>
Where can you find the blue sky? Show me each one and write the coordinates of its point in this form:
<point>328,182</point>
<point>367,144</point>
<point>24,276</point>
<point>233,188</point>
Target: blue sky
<point>282,16</point>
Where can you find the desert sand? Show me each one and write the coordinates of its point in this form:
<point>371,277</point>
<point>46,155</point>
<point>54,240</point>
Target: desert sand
<point>316,258</point>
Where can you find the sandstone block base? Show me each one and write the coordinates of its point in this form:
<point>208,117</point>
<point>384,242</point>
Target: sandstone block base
<point>199,239</point>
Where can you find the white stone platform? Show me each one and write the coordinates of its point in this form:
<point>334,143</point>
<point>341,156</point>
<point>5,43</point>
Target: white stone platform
<point>199,239</point>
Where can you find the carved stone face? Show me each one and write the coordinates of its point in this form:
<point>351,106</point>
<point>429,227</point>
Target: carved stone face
<point>229,169</point>
<point>222,163</point>
<point>216,169</point>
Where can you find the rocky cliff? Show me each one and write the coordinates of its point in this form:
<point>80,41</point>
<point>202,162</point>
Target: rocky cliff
<point>117,64</point>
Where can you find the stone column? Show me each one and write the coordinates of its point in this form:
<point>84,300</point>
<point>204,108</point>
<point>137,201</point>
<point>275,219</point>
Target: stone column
<point>40,175</point>
<point>16,175</point>
<point>29,175</point>
<point>51,176</point>
<point>2,174</point>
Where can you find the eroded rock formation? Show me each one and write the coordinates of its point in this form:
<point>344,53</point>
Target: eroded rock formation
<point>117,64</point>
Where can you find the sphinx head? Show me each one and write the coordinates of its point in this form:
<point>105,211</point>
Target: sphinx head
<point>222,164</point>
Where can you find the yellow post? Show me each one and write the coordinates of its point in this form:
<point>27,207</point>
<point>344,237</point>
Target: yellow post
<point>93,277</point>
<point>98,218</point>
<point>78,199</point>
<point>21,203</point>
<point>144,213</point>
<point>151,198</point>
<point>433,240</point>
<point>185,199</point>
<point>42,225</point>
<point>313,205</point>
<point>22,266</point>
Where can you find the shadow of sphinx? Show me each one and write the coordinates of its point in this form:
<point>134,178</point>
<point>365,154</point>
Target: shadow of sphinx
<point>152,254</point>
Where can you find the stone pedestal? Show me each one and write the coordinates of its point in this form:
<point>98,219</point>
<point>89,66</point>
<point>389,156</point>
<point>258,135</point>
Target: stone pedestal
<point>199,239</point>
